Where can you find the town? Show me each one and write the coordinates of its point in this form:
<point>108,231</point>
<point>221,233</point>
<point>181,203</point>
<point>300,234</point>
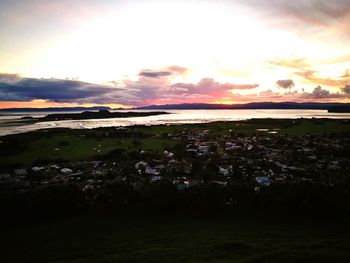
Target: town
<point>256,161</point>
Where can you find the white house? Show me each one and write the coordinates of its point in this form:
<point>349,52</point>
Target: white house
<point>66,171</point>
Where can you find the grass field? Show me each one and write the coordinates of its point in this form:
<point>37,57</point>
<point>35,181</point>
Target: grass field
<point>284,126</point>
<point>177,239</point>
<point>70,146</point>
<point>73,147</point>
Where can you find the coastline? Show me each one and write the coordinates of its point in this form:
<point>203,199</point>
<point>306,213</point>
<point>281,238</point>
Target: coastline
<point>9,126</point>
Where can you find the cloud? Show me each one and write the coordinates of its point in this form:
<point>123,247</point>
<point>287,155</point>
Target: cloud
<point>9,76</point>
<point>154,74</point>
<point>310,76</point>
<point>155,90</point>
<point>147,90</point>
<point>244,86</point>
<point>158,88</point>
<point>171,70</point>
<point>304,70</point>
<point>286,83</point>
<point>316,95</point>
<point>294,63</point>
<point>210,87</point>
<point>346,89</point>
<point>346,74</point>
<point>321,94</point>
<point>15,88</point>
<point>316,12</point>
<point>177,70</point>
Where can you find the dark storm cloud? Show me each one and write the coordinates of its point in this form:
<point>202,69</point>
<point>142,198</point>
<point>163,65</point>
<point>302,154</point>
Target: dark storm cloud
<point>285,83</point>
<point>24,89</point>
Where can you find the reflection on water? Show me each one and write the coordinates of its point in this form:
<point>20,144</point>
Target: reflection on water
<point>9,126</point>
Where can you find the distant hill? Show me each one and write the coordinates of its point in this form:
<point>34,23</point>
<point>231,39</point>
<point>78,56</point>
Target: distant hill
<point>253,105</point>
<point>341,108</point>
<point>198,106</point>
<point>56,109</point>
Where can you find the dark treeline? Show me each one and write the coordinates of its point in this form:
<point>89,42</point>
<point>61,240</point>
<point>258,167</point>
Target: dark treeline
<point>302,198</point>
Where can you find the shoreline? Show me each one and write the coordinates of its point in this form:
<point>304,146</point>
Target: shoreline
<point>54,125</point>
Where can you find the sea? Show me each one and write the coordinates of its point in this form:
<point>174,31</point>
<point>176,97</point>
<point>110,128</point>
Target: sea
<point>11,123</point>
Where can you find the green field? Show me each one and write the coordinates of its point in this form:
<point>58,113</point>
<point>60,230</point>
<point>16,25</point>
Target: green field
<point>284,126</point>
<point>71,146</point>
<point>177,239</point>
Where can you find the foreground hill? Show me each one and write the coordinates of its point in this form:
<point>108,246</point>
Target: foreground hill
<point>156,239</point>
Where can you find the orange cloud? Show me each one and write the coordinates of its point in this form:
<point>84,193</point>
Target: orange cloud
<point>310,76</point>
<point>295,63</point>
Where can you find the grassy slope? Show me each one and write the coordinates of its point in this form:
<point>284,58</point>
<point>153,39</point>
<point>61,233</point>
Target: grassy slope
<point>78,148</point>
<point>171,239</point>
<point>177,239</point>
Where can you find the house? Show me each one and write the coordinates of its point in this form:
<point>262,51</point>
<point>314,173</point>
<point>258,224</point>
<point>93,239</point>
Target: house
<point>168,154</point>
<point>140,164</point>
<point>155,178</point>
<point>37,169</point>
<point>55,166</point>
<point>203,149</point>
<point>224,171</point>
<point>187,168</point>
<point>233,147</point>
<point>66,171</point>
<point>219,182</point>
<point>96,164</point>
<point>181,183</point>
<point>150,170</point>
<point>4,176</point>
<point>181,187</point>
<point>250,147</point>
<point>334,165</point>
<point>311,157</point>
<point>20,172</point>
<point>263,180</point>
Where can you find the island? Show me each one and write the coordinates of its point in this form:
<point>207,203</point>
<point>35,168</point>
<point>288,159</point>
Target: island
<point>101,114</point>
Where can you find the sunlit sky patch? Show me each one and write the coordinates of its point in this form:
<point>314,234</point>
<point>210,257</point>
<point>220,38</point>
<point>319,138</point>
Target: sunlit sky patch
<point>226,51</point>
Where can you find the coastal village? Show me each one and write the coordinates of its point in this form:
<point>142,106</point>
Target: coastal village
<point>259,161</point>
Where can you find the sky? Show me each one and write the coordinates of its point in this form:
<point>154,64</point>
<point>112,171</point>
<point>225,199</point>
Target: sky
<point>140,52</point>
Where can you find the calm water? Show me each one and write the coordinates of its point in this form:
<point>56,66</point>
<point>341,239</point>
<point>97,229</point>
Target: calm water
<point>8,123</point>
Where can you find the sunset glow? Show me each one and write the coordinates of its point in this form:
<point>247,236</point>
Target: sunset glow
<point>133,53</point>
